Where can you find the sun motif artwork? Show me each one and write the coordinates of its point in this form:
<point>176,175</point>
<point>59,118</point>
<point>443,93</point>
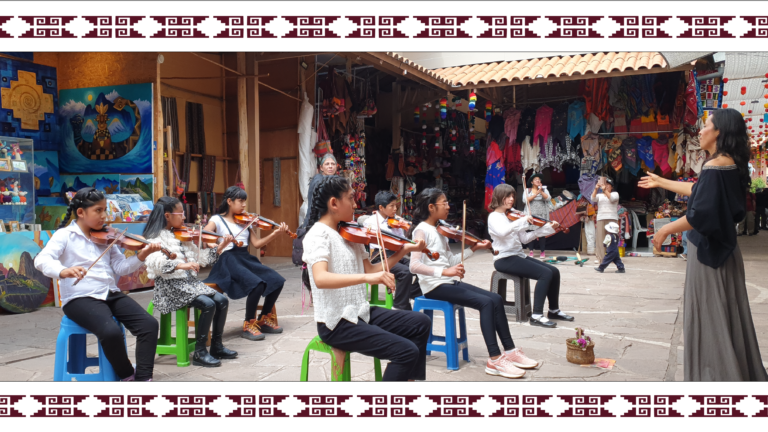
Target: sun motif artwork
<point>27,100</point>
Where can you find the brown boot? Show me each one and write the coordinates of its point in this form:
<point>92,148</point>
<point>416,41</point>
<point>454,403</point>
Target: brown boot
<point>251,331</point>
<point>268,324</point>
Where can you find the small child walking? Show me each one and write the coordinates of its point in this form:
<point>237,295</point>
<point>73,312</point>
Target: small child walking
<point>611,249</point>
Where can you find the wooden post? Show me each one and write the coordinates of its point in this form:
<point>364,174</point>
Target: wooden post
<point>254,153</point>
<point>157,155</point>
<point>396,142</point>
<point>242,115</point>
<point>224,125</point>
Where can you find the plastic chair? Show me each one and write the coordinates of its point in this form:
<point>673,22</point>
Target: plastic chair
<point>374,299</point>
<point>521,307</point>
<point>169,345</point>
<point>72,359</point>
<point>636,229</point>
<point>451,343</point>
<point>345,369</point>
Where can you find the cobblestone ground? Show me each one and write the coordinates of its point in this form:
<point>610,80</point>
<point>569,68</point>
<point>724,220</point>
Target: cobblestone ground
<point>636,319</point>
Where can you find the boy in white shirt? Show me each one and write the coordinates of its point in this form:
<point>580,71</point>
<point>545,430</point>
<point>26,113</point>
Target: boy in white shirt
<point>611,243</point>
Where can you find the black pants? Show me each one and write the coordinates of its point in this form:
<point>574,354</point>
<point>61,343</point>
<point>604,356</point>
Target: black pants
<point>539,243</point>
<point>493,319</point>
<point>405,289</point>
<point>546,275</point>
<point>760,219</point>
<point>96,316</point>
<point>212,310</point>
<point>394,335</point>
<point>612,256</point>
<point>253,301</point>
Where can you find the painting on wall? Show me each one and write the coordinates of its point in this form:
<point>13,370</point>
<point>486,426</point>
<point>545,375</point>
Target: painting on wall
<point>46,169</point>
<point>106,129</point>
<point>137,279</point>
<point>49,217</point>
<point>141,185</point>
<point>22,85</point>
<point>106,183</point>
<point>23,288</point>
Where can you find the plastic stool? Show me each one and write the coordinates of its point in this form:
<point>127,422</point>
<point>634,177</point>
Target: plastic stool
<point>451,344</point>
<point>346,373</point>
<point>521,307</point>
<point>71,340</point>
<point>374,301</point>
<point>168,345</point>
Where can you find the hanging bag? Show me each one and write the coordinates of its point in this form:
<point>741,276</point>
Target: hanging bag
<point>323,145</point>
<point>181,186</point>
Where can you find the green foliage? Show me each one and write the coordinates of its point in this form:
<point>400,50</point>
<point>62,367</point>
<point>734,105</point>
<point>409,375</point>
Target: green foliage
<point>757,183</point>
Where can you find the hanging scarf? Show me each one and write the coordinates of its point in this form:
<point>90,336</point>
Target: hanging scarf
<point>645,152</point>
<point>511,123</point>
<point>613,152</point>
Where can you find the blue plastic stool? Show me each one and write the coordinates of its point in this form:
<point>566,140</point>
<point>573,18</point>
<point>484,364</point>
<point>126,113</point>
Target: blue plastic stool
<point>71,340</point>
<point>451,344</point>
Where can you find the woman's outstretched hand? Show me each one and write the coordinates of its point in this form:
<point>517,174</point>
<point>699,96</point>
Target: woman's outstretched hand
<point>650,181</point>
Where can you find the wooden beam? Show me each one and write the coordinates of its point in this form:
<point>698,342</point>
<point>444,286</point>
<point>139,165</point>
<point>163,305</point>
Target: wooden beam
<point>214,77</point>
<point>262,57</point>
<point>349,70</point>
<point>216,63</point>
<point>419,102</point>
<point>254,133</point>
<point>279,91</point>
<point>157,153</point>
<point>412,72</point>
<point>242,116</point>
<point>396,119</point>
<point>192,92</point>
<point>224,143</point>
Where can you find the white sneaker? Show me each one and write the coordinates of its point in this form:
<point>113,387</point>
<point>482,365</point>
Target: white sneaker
<point>503,367</point>
<point>519,359</point>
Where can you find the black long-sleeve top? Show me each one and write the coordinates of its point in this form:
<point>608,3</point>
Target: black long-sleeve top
<point>716,203</point>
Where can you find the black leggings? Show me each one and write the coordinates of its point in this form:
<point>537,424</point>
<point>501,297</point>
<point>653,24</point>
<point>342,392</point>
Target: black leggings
<point>394,335</point>
<point>546,275</point>
<point>540,243</point>
<point>210,307</point>
<point>493,319</point>
<point>96,316</point>
<point>253,301</point>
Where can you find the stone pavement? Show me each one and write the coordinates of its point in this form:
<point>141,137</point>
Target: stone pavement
<point>635,318</point>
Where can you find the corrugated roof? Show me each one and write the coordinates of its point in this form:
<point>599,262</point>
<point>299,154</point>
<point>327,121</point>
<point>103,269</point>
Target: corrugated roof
<point>542,68</point>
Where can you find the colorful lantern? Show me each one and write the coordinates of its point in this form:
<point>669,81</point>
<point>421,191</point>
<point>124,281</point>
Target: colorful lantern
<point>725,105</point>
<point>742,103</point>
<point>743,90</point>
<point>749,111</point>
<point>472,101</point>
<point>416,115</point>
<point>725,93</point>
<point>488,111</point>
<point>424,138</point>
<point>725,80</point>
<point>443,108</point>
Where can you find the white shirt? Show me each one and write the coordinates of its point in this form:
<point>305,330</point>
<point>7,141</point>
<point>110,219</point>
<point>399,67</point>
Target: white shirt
<point>383,225</point>
<point>331,305</point>
<point>69,247</point>
<point>431,272</point>
<point>509,237</point>
<point>608,209</point>
<point>221,228</point>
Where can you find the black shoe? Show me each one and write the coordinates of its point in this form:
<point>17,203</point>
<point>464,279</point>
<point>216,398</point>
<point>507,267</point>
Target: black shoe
<point>554,316</point>
<point>621,271</point>
<point>219,351</point>
<point>538,322</point>
<point>202,358</point>
<point>597,269</point>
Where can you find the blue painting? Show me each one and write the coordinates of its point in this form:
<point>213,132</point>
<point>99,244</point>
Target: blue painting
<point>45,131</point>
<point>106,183</point>
<point>106,129</point>
<point>20,213</point>
<point>46,169</point>
<point>137,184</point>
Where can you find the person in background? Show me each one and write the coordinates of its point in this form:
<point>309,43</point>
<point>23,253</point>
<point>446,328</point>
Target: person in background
<point>747,226</point>
<point>537,199</point>
<point>407,289</point>
<point>720,338</point>
<point>328,167</point>
<point>611,243</point>
<point>761,201</point>
<point>607,211</point>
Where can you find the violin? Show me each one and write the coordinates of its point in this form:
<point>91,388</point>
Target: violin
<point>107,235</point>
<point>355,233</point>
<point>186,234</point>
<point>395,222</point>
<point>260,221</point>
<point>514,215</point>
<point>455,234</point>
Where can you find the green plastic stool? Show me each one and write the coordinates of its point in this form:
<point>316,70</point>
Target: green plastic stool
<point>374,301</point>
<point>346,374</point>
<point>168,345</point>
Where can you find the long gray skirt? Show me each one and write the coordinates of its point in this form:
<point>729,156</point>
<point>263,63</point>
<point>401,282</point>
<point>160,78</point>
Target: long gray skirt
<point>720,339</point>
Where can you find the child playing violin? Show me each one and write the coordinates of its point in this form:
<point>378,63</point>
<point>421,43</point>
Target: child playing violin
<point>95,299</point>
<point>386,202</point>
<point>240,274</point>
<point>338,273</point>
<point>509,237</point>
<point>439,281</point>
<point>177,286</point>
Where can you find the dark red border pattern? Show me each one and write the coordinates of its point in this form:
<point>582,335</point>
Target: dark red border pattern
<point>384,406</point>
<point>383,27</point>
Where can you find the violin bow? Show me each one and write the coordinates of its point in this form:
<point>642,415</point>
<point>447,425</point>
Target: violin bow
<point>382,252</point>
<point>102,255</point>
<point>200,238</point>
<point>247,226</point>
<point>463,232</point>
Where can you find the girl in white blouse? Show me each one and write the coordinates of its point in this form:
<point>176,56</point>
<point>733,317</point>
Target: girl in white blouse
<point>338,272</point>
<point>509,238</point>
<point>93,302</point>
<point>440,280</point>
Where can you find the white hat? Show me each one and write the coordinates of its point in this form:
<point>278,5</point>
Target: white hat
<point>612,228</point>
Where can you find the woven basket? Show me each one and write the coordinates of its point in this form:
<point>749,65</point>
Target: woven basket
<point>578,356</point>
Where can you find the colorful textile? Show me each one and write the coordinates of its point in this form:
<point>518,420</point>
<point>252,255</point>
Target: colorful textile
<point>620,122</point>
<point>547,155</point>
<point>530,155</point>
<point>587,184</point>
<point>577,122</point>
<point>565,215</point>
<point>691,102</point>
<point>511,123</point>
<point>645,152</point>
<point>543,124</point>
<point>661,155</point>
<point>512,156</point>
<point>559,129</point>
<point>595,93</point>
<point>648,125</point>
<point>496,173</point>
<point>613,152</point>
<point>527,124</point>
<point>593,123</point>
<point>629,150</point>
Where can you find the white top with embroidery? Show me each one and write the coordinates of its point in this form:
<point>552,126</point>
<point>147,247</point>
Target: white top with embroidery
<point>431,272</point>
<point>159,266</point>
<point>331,305</point>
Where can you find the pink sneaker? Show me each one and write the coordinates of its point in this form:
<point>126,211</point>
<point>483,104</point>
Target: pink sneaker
<point>531,254</point>
<point>519,359</point>
<point>542,256</point>
<point>503,367</point>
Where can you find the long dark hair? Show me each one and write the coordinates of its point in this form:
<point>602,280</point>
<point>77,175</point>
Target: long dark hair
<point>421,206</point>
<point>84,198</point>
<point>233,193</point>
<point>733,141</point>
<point>157,222</point>
<point>329,187</point>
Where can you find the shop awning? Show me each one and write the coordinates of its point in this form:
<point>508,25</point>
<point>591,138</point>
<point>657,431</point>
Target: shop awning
<point>747,69</point>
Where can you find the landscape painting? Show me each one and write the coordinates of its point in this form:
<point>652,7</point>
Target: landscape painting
<point>49,217</point>
<point>23,288</point>
<point>141,185</point>
<point>106,129</point>
<point>46,169</point>
<point>106,183</point>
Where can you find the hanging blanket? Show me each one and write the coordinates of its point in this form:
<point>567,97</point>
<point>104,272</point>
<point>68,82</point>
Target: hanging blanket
<point>565,215</point>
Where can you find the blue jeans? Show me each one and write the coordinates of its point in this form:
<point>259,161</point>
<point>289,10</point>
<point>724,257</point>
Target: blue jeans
<point>685,243</point>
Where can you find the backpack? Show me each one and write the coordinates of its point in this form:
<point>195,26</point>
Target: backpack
<point>298,247</point>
